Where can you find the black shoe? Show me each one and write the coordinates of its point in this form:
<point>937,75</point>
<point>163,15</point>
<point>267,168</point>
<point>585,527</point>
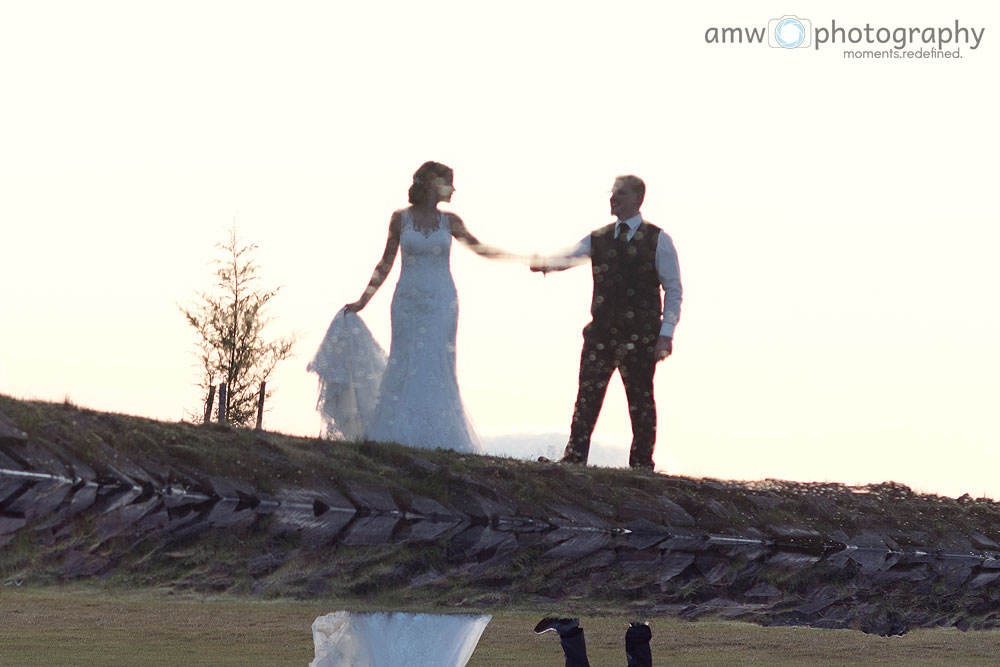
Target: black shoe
<point>637,638</point>
<point>571,455</point>
<point>560,625</point>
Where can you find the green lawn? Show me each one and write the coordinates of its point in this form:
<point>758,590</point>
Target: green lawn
<point>81,626</point>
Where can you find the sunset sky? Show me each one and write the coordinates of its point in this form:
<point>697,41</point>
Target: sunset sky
<point>836,219</point>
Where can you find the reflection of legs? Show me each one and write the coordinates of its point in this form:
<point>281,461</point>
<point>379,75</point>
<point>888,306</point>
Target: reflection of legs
<point>637,369</point>
<point>637,645</point>
<point>596,367</point>
<point>570,636</point>
<point>575,648</point>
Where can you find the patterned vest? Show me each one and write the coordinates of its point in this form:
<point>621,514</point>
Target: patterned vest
<point>627,296</point>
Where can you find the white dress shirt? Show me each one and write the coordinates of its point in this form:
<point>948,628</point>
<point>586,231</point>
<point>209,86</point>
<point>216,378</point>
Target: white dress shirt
<point>667,268</point>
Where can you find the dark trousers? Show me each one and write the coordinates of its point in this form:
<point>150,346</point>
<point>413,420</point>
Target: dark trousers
<point>575,648</point>
<point>637,650</point>
<point>636,363</point>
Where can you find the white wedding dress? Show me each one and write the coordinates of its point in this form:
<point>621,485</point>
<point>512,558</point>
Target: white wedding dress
<point>418,402</point>
<point>350,364</point>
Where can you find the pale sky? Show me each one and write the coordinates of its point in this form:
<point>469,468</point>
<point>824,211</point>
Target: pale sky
<point>836,220</point>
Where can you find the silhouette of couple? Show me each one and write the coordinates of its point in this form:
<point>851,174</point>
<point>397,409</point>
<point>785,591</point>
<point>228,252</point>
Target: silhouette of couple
<point>418,401</point>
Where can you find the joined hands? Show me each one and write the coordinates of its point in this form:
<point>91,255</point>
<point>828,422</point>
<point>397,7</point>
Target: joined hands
<point>538,265</point>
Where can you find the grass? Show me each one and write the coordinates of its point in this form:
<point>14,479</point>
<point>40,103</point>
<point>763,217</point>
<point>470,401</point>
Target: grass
<point>81,625</point>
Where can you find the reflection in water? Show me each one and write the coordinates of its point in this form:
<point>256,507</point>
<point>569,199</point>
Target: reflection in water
<point>394,639</point>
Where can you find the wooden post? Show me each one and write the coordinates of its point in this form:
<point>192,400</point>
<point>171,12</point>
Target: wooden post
<point>208,404</point>
<point>260,406</point>
<point>222,403</point>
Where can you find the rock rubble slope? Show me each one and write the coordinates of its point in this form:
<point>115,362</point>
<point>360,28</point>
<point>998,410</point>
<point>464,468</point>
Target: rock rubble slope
<point>135,502</point>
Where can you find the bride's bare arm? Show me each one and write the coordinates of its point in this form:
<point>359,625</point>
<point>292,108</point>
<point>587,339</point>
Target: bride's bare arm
<point>462,233</point>
<point>383,267</point>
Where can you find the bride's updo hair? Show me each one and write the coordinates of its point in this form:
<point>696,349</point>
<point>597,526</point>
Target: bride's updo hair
<point>423,179</point>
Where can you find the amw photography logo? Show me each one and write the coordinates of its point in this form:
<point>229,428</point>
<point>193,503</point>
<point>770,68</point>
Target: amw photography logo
<point>857,42</point>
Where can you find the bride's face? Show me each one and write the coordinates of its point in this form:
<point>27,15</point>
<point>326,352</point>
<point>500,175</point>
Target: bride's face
<point>444,189</point>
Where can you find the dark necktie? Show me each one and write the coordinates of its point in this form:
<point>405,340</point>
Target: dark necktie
<point>622,235</point>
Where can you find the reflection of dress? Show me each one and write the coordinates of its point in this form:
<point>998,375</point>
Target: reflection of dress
<point>395,639</point>
<point>419,401</point>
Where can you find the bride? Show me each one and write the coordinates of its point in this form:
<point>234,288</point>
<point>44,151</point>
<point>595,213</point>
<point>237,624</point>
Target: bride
<point>419,403</point>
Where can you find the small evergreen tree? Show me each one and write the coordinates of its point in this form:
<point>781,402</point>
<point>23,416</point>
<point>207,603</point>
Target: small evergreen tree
<point>230,322</point>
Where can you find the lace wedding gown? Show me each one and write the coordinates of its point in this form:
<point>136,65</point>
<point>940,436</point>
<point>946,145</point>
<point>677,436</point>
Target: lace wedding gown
<point>350,364</point>
<point>418,401</point>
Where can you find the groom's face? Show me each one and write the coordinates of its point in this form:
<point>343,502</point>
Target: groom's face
<point>625,201</point>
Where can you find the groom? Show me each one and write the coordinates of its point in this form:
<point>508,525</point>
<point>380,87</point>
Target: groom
<point>632,327</point>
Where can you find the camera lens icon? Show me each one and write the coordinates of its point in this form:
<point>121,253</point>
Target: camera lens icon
<point>789,32</point>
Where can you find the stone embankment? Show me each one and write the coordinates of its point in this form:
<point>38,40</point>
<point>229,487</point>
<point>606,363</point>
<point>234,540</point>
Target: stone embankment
<point>444,529</point>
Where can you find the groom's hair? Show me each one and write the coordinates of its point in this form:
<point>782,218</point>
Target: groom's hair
<point>635,183</point>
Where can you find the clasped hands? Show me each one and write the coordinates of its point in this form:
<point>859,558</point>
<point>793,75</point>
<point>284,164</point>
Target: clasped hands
<point>538,264</point>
